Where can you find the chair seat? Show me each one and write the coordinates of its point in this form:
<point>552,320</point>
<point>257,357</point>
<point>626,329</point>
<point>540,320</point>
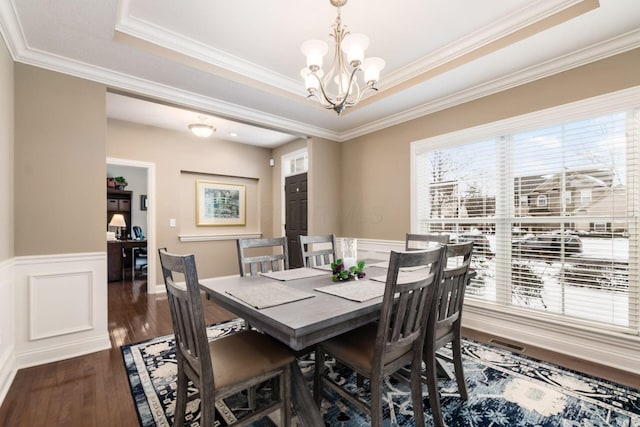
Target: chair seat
<point>244,355</point>
<point>357,347</point>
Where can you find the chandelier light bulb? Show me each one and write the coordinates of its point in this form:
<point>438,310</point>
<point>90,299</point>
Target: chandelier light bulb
<point>314,50</point>
<point>354,46</point>
<point>372,67</point>
<point>348,65</point>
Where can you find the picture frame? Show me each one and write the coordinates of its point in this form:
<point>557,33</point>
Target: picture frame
<point>143,202</point>
<point>220,204</point>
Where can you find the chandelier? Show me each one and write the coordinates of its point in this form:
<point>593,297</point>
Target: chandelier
<point>347,61</point>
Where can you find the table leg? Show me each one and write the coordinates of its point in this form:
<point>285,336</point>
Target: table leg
<point>303,402</point>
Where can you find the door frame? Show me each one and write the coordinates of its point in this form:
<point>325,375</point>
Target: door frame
<point>151,215</point>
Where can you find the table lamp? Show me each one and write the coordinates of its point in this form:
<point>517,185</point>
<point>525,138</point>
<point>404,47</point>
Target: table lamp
<point>117,220</point>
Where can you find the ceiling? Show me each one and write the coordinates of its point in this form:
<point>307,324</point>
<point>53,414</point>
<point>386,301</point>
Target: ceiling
<point>238,62</point>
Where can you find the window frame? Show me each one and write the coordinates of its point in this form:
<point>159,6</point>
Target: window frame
<point>606,104</point>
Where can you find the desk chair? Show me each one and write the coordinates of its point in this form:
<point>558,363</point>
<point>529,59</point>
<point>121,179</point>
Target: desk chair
<point>323,252</point>
<point>384,347</point>
<point>139,252</point>
<point>277,259</point>
<point>421,241</point>
<point>225,366</point>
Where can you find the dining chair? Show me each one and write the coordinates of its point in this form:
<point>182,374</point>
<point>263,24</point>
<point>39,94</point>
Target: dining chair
<point>444,323</point>
<point>415,241</point>
<point>318,250</point>
<point>225,366</point>
<point>277,258</point>
<point>381,348</point>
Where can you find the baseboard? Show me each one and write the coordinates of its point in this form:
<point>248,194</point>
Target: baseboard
<point>63,351</point>
<point>615,350</point>
<point>8,369</point>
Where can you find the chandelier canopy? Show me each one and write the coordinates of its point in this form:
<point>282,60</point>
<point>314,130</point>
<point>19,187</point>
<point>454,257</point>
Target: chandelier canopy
<point>347,61</point>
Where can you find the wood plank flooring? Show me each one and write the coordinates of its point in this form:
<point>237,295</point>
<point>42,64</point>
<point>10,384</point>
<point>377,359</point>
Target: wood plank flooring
<point>93,390</point>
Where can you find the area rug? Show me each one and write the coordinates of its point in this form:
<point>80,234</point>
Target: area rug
<point>505,389</point>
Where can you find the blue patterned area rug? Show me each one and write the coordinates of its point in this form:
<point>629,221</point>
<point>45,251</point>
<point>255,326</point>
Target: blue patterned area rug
<point>505,389</point>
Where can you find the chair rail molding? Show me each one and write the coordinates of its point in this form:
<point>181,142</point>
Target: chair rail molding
<point>60,307</point>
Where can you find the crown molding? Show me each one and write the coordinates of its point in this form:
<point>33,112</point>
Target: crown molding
<point>621,44</point>
<point>192,48</point>
<point>512,23</point>
<point>21,52</point>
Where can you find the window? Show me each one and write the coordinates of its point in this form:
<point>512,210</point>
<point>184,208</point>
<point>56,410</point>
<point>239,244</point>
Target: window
<point>295,163</point>
<point>511,194</point>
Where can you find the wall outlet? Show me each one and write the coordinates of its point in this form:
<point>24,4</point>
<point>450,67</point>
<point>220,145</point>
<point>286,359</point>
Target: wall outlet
<point>172,222</point>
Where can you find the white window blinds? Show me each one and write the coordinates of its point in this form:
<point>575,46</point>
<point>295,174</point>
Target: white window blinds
<point>552,211</point>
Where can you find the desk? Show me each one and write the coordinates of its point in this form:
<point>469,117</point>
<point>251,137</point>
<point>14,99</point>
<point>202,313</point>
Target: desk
<point>298,324</point>
<point>116,255</point>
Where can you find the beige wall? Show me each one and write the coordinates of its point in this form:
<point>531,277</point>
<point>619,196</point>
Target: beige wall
<point>6,153</point>
<point>213,159</point>
<point>324,187</point>
<point>376,202</point>
<point>59,163</point>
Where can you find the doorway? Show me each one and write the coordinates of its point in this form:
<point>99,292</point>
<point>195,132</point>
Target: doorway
<point>295,196</point>
<point>149,169</point>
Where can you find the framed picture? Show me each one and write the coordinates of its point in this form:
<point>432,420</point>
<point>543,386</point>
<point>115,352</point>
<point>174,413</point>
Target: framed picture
<point>219,203</point>
<point>143,202</point>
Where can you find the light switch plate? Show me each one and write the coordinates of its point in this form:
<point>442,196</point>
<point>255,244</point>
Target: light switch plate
<point>172,222</point>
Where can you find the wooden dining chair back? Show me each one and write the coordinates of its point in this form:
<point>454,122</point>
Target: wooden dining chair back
<point>445,323</point>
<point>262,255</point>
<point>384,347</point>
<point>318,250</point>
<point>424,241</point>
<point>225,366</point>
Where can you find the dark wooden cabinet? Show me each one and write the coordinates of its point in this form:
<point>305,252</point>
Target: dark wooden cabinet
<point>114,257</point>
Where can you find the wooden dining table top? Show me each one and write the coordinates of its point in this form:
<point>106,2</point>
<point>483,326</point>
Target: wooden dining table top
<point>303,322</point>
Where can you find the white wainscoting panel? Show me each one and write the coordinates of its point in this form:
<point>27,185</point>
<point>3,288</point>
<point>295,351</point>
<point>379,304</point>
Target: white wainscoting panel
<point>8,366</point>
<point>60,304</point>
<point>61,307</point>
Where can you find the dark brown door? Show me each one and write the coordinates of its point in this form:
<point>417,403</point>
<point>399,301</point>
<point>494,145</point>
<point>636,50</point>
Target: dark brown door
<point>295,190</point>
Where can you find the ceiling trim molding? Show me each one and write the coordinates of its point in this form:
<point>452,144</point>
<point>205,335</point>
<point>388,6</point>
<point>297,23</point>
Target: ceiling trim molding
<point>11,29</point>
<point>594,53</point>
<point>181,45</point>
<point>514,22</point>
<point>21,52</point>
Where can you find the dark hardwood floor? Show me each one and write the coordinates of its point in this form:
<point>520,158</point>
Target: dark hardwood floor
<point>93,390</point>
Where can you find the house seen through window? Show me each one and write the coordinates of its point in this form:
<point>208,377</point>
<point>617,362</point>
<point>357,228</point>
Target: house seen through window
<point>552,212</point>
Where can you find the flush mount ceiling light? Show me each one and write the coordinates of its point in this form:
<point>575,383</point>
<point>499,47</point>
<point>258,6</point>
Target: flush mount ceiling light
<point>202,130</point>
<point>347,61</point>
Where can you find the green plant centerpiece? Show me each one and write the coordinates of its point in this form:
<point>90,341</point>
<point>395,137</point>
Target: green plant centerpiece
<point>341,274</point>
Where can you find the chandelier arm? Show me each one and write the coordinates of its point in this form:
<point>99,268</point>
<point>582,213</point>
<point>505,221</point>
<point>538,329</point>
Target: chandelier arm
<point>339,108</point>
<point>343,69</point>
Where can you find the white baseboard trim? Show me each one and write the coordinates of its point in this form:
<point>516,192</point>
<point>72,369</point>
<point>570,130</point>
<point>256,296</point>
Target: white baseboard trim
<point>64,351</point>
<point>609,349</point>
<point>8,370</point>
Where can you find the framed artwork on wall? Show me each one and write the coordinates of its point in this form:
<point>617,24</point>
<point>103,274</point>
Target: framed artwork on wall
<point>219,203</point>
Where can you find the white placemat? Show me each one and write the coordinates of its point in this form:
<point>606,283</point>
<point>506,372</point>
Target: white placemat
<point>383,264</point>
<point>269,295</point>
<point>403,276</point>
<point>294,273</point>
<point>355,290</point>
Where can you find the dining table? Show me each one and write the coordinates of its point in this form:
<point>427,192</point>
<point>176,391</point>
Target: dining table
<point>301,307</point>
